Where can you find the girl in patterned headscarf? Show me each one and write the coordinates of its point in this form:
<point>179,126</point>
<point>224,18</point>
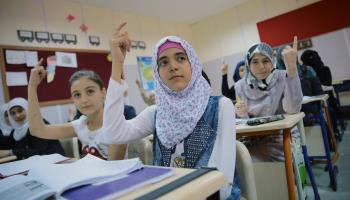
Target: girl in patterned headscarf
<point>23,144</point>
<point>191,128</point>
<point>265,91</point>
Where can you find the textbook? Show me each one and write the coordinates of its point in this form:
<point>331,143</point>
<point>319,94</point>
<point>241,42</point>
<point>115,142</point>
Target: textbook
<point>23,166</point>
<point>49,179</point>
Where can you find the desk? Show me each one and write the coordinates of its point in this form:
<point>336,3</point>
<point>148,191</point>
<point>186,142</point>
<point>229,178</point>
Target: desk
<point>7,159</point>
<point>272,128</point>
<point>199,188</point>
<point>324,105</point>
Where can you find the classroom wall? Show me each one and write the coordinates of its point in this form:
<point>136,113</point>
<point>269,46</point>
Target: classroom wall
<point>50,15</point>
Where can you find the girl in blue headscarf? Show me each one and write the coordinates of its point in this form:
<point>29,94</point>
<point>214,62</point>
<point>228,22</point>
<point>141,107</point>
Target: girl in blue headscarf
<point>239,72</point>
<point>265,91</point>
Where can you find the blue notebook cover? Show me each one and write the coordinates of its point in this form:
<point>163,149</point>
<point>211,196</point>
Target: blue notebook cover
<point>121,186</point>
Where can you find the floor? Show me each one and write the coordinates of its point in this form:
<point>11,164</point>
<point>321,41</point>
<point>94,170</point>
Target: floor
<point>322,177</point>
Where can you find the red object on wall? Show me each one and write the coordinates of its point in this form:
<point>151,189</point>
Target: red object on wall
<point>315,19</point>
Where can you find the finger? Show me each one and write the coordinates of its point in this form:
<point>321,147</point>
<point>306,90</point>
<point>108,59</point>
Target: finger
<point>120,27</point>
<point>40,62</point>
<point>295,43</point>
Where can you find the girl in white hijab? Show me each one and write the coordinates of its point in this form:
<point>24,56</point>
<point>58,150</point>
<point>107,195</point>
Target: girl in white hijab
<point>5,128</point>
<point>190,127</point>
<point>24,144</point>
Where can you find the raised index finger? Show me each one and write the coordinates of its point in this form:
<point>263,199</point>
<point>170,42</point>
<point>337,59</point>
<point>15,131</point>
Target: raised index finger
<point>295,43</point>
<point>40,62</point>
<point>120,27</point>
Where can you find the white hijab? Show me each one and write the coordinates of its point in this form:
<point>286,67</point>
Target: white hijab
<point>177,113</point>
<point>20,128</point>
<point>4,126</point>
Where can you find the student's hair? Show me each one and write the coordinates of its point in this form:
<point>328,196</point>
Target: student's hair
<point>89,74</point>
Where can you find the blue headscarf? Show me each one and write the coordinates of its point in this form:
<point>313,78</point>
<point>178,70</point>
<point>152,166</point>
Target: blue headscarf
<point>236,76</point>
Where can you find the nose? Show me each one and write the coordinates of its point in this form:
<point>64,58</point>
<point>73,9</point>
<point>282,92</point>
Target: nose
<point>173,66</point>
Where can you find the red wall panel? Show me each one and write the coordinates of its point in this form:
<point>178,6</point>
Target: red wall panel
<point>315,19</point>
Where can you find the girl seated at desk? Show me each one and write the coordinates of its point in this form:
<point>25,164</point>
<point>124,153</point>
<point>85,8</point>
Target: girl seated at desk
<point>88,95</point>
<point>21,143</point>
<point>265,91</point>
<point>191,128</point>
<point>5,129</point>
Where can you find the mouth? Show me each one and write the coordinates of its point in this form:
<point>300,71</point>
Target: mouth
<point>175,77</point>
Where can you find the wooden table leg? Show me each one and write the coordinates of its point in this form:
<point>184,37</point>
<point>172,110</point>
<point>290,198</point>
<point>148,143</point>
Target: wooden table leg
<point>288,162</point>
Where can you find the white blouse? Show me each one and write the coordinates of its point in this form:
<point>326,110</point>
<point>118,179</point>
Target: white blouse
<point>223,155</point>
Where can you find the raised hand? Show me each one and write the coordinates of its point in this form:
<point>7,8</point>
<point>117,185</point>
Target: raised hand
<point>290,56</point>
<point>224,69</point>
<point>120,44</point>
<point>37,74</point>
<point>241,109</point>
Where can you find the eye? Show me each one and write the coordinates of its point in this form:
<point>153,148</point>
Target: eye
<point>163,62</point>
<point>90,92</point>
<point>254,62</point>
<point>181,58</point>
<point>76,95</point>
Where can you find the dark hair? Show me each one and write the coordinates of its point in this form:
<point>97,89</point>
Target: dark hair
<point>89,74</point>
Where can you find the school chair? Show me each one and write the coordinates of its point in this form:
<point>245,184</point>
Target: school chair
<point>245,171</point>
<point>71,147</point>
<point>143,149</point>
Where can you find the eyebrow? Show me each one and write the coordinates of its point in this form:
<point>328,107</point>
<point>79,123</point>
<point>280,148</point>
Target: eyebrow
<point>89,87</point>
<point>176,54</point>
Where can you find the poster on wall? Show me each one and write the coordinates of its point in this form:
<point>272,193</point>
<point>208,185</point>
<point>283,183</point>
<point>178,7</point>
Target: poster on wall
<point>146,72</point>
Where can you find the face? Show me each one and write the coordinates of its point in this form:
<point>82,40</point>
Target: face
<point>87,96</point>
<point>174,69</point>
<point>241,71</point>
<point>18,114</point>
<point>260,66</point>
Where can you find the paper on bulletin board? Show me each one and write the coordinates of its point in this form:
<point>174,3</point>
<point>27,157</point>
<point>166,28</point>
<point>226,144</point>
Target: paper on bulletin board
<point>146,72</point>
<point>16,78</point>
<point>31,58</point>
<point>66,59</point>
<point>15,57</point>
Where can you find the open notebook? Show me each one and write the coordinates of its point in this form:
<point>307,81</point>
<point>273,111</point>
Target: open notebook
<point>49,179</point>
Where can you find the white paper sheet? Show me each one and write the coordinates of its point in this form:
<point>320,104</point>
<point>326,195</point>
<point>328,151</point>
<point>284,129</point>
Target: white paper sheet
<point>66,59</point>
<point>15,57</point>
<point>16,78</point>
<point>31,58</point>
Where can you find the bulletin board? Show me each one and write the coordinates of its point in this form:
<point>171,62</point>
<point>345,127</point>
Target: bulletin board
<point>56,92</point>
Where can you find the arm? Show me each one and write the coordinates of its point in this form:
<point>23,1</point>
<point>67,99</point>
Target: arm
<point>36,124</point>
<point>224,151</point>
<point>316,86</point>
<point>117,152</point>
<point>293,95</point>
<point>117,130</point>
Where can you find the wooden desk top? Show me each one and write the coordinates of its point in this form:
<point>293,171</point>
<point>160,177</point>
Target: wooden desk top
<point>199,188</point>
<point>7,159</point>
<point>288,122</point>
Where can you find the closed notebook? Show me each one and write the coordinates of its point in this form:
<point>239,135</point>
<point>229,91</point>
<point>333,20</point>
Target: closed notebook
<point>61,177</point>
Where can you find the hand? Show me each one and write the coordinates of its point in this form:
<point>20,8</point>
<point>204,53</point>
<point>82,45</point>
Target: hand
<point>138,83</point>
<point>290,56</point>
<point>37,74</point>
<point>241,109</point>
<point>224,69</point>
<point>5,153</point>
<point>120,44</point>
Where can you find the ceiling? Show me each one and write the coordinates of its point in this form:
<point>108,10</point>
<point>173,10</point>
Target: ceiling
<point>187,11</point>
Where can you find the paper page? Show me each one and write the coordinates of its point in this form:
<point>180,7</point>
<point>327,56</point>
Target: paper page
<point>16,78</point>
<point>21,187</point>
<point>21,166</point>
<point>31,58</point>
<point>15,57</point>
<point>66,59</point>
<point>87,170</point>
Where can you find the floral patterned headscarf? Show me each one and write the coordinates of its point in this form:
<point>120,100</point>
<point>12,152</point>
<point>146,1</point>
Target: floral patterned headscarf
<point>177,112</point>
